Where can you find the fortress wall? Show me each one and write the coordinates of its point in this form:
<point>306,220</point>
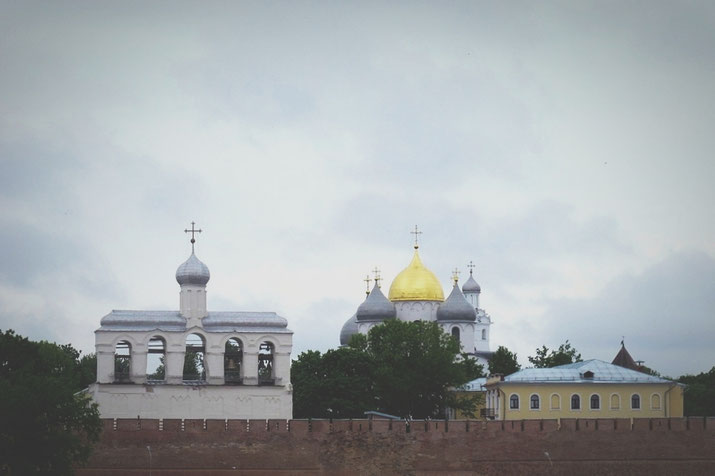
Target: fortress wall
<point>347,447</point>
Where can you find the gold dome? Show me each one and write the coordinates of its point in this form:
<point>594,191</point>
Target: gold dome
<point>416,283</point>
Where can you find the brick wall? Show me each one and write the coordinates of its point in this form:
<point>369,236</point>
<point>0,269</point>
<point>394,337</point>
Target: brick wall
<point>346,447</point>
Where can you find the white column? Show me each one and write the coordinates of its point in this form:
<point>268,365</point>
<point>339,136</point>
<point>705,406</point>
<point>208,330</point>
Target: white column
<point>174,366</point>
<point>250,367</point>
<point>281,367</point>
<point>138,366</point>
<point>214,368</point>
<point>105,366</point>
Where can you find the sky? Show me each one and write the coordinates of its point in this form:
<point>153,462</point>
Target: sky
<point>566,148</point>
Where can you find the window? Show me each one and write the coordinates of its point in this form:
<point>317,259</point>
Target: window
<point>534,402</point>
<point>555,402</point>
<point>455,333</point>
<point>655,401</point>
<point>514,402</point>
<point>122,362</point>
<point>615,401</point>
<point>575,402</point>
<point>595,402</point>
<point>232,360</point>
<point>194,359</point>
<point>484,334</point>
<point>636,402</point>
<point>265,364</point>
<point>155,368</point>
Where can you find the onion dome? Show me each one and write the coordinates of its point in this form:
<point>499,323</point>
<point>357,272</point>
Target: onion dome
<point>376,307</point>
<point>456,307</point>
<point>471,286</point>
<point>416,283</point>
<point>193,271</point>
<point>350,328</point>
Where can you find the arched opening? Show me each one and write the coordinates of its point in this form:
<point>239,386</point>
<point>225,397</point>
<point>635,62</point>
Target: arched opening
<point>455,333</point>
<point>655,401</point>
<point>122,362</point>
<point>615,401</point>
<point>484,334</point>
<point>265,364</point>
<point>232,362</point>
<point>555,402</point>
<point>595,402</point>
<point>575,402</point>
<point>534,402</point>
<point>514,402</point>
<point>194,359</point>
<point>155,369</point>
<point>636,402</point>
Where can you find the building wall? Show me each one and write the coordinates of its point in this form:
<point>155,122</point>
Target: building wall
<point>300,447</point>
<point>656,400</point>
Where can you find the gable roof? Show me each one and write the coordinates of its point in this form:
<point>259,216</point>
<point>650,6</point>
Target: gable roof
<point>603,372</point>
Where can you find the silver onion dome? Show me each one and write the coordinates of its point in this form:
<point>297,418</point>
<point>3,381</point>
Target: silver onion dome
<point>376,307</point>
<point>193,271</point>
<point>471,286</point>
<point>456,307</point>
<point>350,328</point>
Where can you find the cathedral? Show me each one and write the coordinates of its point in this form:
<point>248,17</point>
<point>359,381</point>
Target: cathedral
<point>193,363</point>
<point>416,294</point>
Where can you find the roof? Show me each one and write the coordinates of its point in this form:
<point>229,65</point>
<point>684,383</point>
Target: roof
<point>471,286</point>
<point>173,321</point>
<point>350,328</point>
<point>476,385</point>
<point>416,283</point>
<point>456,308</point>
<point>624,359</point>
<point>376,307</point>
<point>193,271</point>
<point>603,372</point>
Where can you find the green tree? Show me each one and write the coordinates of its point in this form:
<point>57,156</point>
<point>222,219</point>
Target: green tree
<point>566,354</point>
<point>46,425</point>
<point>503,362</point>
<point>336,384</point>
<point>699,393</point>
<point>417,366</point>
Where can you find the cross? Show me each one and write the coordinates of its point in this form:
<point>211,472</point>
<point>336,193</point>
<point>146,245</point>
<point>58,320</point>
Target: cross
<point>367,283</point>
<point>417,234</point>
<point>471,267</point>
<point>455,275</point>
<point>193,230</point>
<point>376,272</point>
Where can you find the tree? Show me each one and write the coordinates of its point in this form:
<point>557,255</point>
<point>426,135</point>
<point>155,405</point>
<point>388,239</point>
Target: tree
<point>401,368</point>
<point>417,366</point>
<point>46,425</point>
<point>564,355</point>
<point>503,362</point>
<point>336,384</point>
<point>699,393</point>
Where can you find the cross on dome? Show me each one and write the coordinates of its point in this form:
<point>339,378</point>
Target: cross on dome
<point>471,267</point>
<point>376,272</point>
<point>455,275</point>
<point>417,234</point>
<point>193,230</point>
<point>367,283</point>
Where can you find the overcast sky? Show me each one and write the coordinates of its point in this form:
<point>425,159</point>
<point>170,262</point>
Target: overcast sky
<point>565,147</point>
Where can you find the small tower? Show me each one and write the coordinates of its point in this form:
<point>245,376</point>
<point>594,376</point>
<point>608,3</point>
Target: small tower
<point>192,275</point>
<point>471,288</point>
<point>457,316</point>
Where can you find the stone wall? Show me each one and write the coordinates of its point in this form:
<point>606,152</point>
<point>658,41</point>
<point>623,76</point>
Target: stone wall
<point>380,447</point>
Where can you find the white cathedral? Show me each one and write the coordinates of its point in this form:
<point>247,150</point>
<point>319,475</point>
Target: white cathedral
<point>416,294</point>
<point>193,363</point>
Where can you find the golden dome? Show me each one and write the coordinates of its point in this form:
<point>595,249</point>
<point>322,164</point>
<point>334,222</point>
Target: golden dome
<point>416,283</point>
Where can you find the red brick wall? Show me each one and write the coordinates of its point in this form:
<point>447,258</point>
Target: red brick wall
<point>260,447</point>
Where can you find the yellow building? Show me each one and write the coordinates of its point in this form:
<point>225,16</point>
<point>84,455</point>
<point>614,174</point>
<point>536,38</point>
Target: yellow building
<point>589,389</point>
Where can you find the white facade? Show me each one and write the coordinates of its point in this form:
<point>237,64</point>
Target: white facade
<point>248,377</point>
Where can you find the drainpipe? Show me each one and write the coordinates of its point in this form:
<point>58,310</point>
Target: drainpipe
<point>666,402</point>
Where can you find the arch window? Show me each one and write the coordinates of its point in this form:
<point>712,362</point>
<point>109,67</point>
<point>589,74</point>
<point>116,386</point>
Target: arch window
<point>595,402</point>
<point>555,402</point>
<point>635,401</point>
<point>232,362</point>
<point>615,402</point>
<point>265,364</point>
<point>534,402</point>
<point>194,370</point>
<point>155,366</point>
<point>514,402</point>
<point>484,334</point>
<point>122,362</point>
<point>655,401</point>
<point>575,402</point>
<point>455,333</point>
